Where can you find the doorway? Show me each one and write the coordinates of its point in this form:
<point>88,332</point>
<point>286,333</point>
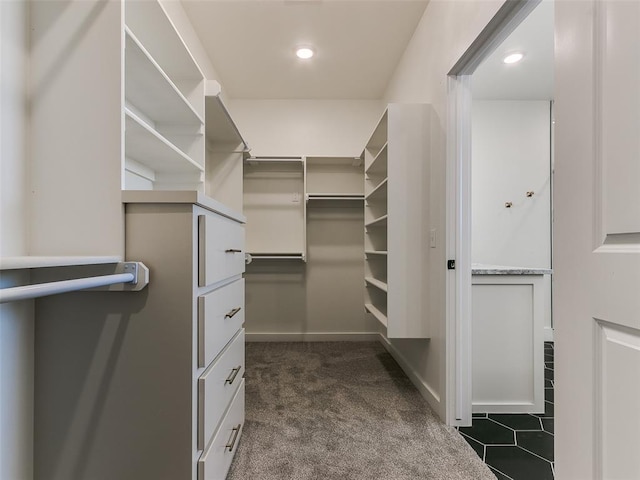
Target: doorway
<point>500,208</point>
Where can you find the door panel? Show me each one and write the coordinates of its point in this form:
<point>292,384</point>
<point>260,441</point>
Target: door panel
<point>597,239</point>
<point>618,37</point>
<point>617,415</point>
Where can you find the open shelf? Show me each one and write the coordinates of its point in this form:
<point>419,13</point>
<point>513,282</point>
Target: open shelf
<point>380,316</point>
<point>379,137</point>
<point>154,29</point>
<point>147,147</point>
<point>221,130</point>
<point>378,222</point>
<point>378,165</point>
<point>378,193</point>
<point>150,90</point>
<point>376,283</point>
<point>376,252</point>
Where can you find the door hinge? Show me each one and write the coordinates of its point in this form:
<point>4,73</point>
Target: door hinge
<point>451,264</point>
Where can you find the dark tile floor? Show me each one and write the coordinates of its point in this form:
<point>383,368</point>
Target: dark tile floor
<point>517,447</point>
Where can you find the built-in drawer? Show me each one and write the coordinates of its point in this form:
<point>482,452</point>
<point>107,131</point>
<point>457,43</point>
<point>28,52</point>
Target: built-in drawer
<point>216,387</point>
<point>220,316</point>
<point>220,248</point>
<point>215,461</point>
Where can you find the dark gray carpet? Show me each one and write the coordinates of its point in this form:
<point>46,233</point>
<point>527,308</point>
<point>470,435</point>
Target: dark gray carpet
<point>342,411</point>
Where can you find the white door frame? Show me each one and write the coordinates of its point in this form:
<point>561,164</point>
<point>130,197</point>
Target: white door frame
<point>458,197</point>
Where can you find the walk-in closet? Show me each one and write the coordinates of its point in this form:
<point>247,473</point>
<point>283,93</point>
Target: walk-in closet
<point>230,242</point>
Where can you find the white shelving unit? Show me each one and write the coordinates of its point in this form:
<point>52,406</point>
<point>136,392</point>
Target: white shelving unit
<point>118,103</point>
<point>164,97</point>
<point>396,220</point>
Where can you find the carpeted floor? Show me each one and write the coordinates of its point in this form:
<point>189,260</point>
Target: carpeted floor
<point>342,411</point>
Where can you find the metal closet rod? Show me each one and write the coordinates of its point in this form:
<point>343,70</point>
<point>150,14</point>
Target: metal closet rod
<point>274,159</point>
<point>130,276</point>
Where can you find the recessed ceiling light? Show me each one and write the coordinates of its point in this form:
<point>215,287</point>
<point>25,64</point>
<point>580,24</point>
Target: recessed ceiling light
<point>513,57</point>
<point>304,52</point>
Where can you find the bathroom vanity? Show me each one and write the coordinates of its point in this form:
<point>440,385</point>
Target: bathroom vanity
<point>509,305</point>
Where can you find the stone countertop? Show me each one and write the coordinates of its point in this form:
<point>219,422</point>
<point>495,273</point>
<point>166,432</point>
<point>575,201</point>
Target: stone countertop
<point>481,269</point>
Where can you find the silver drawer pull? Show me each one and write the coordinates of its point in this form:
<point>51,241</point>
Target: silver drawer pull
<point>233,250</point>
<point>234,436</point>
<point>233,312</point>
<point>234,374</point>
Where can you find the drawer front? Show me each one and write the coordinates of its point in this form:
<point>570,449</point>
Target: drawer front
<point>215,461</point>
<point>220,249</point>
<point>220,316</point>
<point>216,388</point>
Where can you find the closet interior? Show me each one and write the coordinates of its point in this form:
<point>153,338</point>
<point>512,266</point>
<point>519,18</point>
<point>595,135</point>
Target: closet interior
<point>139,158</point>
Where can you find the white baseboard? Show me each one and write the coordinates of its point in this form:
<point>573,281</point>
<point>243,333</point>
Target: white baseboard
<point>312,337</point>
<point>548,334</point>
<point>432,398</point>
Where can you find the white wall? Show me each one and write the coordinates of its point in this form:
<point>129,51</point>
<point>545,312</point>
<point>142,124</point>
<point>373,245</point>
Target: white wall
<point>16,319</point>
<point>306,127</point>
<point>511,156</point>
<point>446,30</point>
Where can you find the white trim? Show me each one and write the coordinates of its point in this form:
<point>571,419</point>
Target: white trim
<point>458,198</point>
<point>458,326</point>
<point>312,337</point>
<point>429,394</point>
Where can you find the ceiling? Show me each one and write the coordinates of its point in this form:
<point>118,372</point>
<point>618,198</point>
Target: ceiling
<point>358,45</point>
<point>532,77</point>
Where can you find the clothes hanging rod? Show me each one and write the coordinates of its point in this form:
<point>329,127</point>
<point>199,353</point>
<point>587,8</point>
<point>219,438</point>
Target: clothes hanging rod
<point>274,160</point>
<point>293,256</point>
<point>134,277</point>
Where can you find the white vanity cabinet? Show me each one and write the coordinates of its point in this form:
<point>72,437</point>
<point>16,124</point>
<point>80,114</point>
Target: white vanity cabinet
<point>508,313</point>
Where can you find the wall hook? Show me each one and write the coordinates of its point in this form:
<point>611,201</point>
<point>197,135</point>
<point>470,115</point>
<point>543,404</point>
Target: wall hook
<point>529,194</point>
<point>508,204</point>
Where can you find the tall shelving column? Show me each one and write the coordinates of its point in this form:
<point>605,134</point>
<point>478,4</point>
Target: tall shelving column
<point>375,221</point>
<point>164,104</point>
<point>397,220</point>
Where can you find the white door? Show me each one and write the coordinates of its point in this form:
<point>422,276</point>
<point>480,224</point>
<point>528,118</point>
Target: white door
<point>597,240</point>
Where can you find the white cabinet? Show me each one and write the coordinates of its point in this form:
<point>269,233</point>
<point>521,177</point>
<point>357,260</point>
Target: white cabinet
<point>396,162</point>
<point>508,310</point>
